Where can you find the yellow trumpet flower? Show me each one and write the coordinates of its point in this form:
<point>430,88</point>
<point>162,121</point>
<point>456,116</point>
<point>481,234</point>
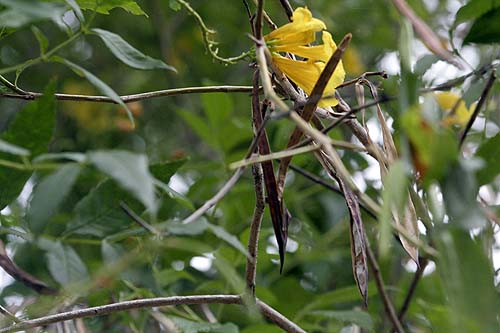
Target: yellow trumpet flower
<point>293,38</point>
<point>454,106</point>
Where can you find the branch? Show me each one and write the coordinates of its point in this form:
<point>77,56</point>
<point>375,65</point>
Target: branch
<point>482,100</point>
<point>22,276</point>
<point>315,179</point>
<point>253,240</point>
<point>231,182</point>
<point>137,219</point>
<point>311,105</point>
<point>95,311</point>
<point>288,8</point>
<point>135,97</point>
<point>416,278</point>
<point>388,306</point>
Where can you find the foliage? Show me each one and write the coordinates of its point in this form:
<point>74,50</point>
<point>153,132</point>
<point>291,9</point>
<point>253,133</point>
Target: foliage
<point>95,190</point>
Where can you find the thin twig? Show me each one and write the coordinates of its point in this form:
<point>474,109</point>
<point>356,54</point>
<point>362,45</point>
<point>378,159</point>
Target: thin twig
<point>253,240</point>
<point>288,8</point>
<point>315,179</point>
<point>12,86</point>
<point>311,105</point>
<point>292,152</point>
<point>9,315</point>
<point>273,156</point>
<point>270,313</point>
<point>388,306</point>
<point>135,97</point>
<point>137,219</point>
<point>258,19</point>
<point>413,287</point>
<point>231,181</point>
<point>383,74</point>
<point>216,198</point>
<point>479,105</point>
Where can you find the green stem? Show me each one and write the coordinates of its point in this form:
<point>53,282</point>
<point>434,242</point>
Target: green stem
<point>41,58</point>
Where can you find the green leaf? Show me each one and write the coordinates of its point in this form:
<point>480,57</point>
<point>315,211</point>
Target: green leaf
<point>99,213</point>
<point>174,5</point>
<point>468,280</point>
<point>474,9</point>
<point>424,63</point>
<point>131,171</point>
<point>165,170</point>
<point>43,42</point>
<point>22,12</point>
<point>13,149</point>
<point>31,129</point>
<point>65,265</point>
<point>434,149</point>
<point>189,229</point>
<point>48,195</point>
<point>485,30</point>
<point>489,151</point>
<point>188,326</point>
<point>103,87</point>
<point>104,6</point>
<point>76,8</point>
<point>460,190</point>
<point>227,237</point>
<point>199,126</point>
<point>394,198</point>
<point>128,54</point>
<point>167,277</point>
<point>360,318</point>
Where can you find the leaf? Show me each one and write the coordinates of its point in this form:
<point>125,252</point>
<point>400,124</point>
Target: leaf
<point>424,63</point>
<point>485,30</point>
<point>188,326</point>
<point>433,149</point>
<point>165,170</point>
<point>78,12</point>
<point>174,5</point>
<point>130,171</point>
<point>64,264</point>
<point>99,213</point>
<point>395,206</point>
<point>468,281</point>
<point>31,129</point>
<point>360,318</point>
<point>103,7</point>
<point>227,237</point>
<point>460,190</point>
<point>229,273</point>
<point>167,277</point>
<point>48,195</point>
<point>103,87</point>
<point>43,42</point>
<point>488,151</point>
<point>22,276</point>
<point>23,12</point>
<point>75,157</point>
<point>128,54</point>
<point>13,149</point>
<point>189,229</point>
<point>474,9</point>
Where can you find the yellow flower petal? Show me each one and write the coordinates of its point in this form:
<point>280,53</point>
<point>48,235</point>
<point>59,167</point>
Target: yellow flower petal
<point>300,31</point>
<point>451,103</point>
<point>305,74</point>
<point>321,52</point>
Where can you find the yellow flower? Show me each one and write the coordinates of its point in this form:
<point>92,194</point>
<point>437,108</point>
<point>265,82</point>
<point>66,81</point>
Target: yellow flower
<point>301,31</point>
<point>451,103</point>
<point>293,38</point>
